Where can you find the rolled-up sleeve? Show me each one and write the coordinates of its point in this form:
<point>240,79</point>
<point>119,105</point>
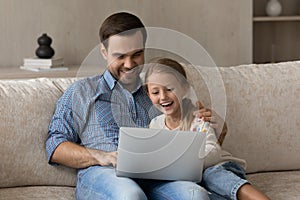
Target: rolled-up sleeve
<point>61,128</point>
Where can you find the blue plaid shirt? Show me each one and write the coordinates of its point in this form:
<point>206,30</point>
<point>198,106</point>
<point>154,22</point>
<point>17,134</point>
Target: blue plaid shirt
<point>92,110</point>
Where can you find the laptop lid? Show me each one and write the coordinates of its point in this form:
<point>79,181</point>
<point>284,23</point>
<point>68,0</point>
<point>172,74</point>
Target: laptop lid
<point>160,154</point>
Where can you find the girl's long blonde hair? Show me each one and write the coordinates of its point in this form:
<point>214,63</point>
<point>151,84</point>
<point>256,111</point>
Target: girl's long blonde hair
<point>167,65</point>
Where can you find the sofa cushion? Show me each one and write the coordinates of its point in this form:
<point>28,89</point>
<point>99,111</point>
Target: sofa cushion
<point>38,192</point>
<point>26,109</point>
<point>278,185</point>
<point>262,111</point>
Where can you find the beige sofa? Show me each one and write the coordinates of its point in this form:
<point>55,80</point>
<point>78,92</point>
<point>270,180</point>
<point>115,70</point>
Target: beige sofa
<point>262,114</point>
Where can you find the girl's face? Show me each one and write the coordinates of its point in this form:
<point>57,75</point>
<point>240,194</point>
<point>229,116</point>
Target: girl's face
<point>166,93</point>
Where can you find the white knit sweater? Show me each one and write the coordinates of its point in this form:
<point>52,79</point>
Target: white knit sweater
<point>214,154</point>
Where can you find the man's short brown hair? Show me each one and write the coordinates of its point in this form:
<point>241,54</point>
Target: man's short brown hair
<point>122,23</point>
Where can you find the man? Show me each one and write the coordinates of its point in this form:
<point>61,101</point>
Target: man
<point>83,132</point>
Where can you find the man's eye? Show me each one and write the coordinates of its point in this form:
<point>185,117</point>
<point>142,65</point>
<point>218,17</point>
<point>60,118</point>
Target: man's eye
<point>137,54</point>
<point>154,93</point>
<point>121,57</point>
<point>170,89</point>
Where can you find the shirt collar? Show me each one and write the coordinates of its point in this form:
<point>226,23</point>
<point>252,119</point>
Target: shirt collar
<point>112,82</point>
<point>109,79</point>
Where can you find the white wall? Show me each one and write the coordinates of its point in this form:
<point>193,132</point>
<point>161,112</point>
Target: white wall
<point>223,27</point>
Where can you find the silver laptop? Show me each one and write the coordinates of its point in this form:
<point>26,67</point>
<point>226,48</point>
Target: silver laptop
<point>160,154</point>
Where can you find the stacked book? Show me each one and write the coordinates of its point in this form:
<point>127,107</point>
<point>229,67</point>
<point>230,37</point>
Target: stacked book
<point>41,64</point>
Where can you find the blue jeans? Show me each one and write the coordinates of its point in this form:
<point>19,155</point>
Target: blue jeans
<point>98,182</point>
<point>224,180</point>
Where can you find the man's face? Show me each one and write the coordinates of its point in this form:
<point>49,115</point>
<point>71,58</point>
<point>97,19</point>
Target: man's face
<point>125,57</point>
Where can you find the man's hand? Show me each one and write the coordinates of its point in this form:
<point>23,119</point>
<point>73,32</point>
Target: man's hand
<point>203,113</point>
<point>215,120</point>
<point>76,156</point>
<point>105,158</point>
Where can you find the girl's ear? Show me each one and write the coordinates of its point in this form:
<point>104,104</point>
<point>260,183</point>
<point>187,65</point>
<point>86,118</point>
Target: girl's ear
<point>103,51</point>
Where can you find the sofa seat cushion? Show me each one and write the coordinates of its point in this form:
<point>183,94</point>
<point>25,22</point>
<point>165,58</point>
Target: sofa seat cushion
<point>278,185</point>
<point>38,192</point>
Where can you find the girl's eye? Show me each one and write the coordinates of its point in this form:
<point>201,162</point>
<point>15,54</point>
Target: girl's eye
<point>154,92</point>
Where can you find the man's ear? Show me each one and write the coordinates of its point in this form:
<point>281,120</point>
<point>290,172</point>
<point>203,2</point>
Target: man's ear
<point>103,51</point>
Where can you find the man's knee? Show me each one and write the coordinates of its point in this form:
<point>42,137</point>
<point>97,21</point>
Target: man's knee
<point>127,193</point>
<point>101,183</point>
<point>131,194</point>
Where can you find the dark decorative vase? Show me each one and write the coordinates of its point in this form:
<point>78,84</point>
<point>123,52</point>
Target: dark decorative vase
<point>44,50</point>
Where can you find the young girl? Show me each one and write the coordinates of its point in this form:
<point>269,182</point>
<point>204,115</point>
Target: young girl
<point>223,176</point>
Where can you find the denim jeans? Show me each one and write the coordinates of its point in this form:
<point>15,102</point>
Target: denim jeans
<point>101,183</point>
<point>224,180</point>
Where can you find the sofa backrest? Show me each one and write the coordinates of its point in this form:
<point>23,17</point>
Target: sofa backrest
<point>26,109</point>
<point>262,111</point>
<point>262,114</point>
